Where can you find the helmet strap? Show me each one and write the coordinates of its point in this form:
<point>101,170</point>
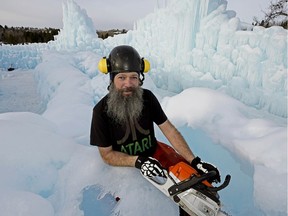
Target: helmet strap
<point>141,79</point>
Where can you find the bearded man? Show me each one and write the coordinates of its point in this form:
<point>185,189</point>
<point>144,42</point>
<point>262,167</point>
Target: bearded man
<point>123,121</point>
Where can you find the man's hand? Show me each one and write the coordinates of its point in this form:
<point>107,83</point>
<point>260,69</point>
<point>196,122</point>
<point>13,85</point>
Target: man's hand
<point>203,167</point>
<point>149,166</point>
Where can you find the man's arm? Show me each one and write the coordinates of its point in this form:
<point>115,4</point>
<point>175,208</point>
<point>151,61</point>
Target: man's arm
<point>115,158</point>
<point>177,140</point>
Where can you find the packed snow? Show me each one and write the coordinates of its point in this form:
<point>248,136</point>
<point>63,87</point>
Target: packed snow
<point>225,88</point>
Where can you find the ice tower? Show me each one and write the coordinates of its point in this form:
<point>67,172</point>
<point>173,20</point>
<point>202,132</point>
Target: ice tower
<point>78,29</point>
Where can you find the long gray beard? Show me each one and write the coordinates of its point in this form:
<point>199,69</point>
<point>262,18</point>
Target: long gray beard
<point>122,108</point>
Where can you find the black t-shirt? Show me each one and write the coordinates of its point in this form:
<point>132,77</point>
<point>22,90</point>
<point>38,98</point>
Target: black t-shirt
<point>135,138</point>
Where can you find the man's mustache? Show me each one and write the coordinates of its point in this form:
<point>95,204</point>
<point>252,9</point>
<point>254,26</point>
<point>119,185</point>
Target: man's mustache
<point>128,89</point>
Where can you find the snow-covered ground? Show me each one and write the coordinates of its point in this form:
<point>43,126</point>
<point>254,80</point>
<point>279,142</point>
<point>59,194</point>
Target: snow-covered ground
<point>225,89</point>
<point>18,92</point>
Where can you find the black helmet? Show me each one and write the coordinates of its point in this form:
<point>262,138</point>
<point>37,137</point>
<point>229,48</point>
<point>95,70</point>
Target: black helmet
<point>125,58</point>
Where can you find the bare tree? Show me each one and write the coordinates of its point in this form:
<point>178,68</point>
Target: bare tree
<point>277,15</point>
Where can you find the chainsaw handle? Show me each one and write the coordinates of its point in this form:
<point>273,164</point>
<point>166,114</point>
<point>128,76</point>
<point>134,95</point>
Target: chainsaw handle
<point>186,184</point>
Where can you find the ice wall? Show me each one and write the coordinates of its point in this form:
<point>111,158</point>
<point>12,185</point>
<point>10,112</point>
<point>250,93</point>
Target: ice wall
<point>200,43</point>
<point>172,29</point>
<point>251,65</point>
<point>20,56</point>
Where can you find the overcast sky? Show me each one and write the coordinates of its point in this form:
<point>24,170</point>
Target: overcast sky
<point>106,14</point>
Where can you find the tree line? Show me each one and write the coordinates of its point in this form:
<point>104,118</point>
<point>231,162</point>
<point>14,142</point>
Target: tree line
<point>24,35</point>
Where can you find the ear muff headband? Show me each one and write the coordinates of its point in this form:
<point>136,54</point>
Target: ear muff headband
<point>103,65</point>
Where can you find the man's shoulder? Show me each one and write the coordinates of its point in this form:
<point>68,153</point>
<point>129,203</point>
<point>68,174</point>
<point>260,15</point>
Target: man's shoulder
<point>101,104</point>
<point>147,92</point>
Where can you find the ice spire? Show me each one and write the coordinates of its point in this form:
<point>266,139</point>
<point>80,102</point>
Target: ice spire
<point>78,28</point>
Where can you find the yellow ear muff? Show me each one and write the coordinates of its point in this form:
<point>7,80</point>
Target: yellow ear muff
<point>146,66</point>
<point>103,66</point>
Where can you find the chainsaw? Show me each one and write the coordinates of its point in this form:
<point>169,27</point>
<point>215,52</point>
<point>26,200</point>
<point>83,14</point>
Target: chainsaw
<point>191,191</point>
